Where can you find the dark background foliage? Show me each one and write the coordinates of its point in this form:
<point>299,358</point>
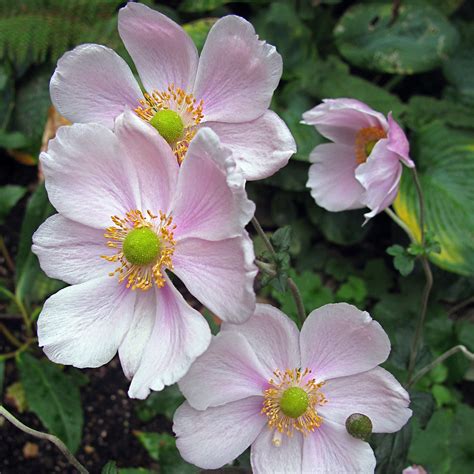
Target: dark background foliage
<point>415,58</point>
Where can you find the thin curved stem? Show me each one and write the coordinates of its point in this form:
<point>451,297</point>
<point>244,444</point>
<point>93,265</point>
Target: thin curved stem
<point>48,437</point>
<point>13,340</point>
<point>263,236</point>
<point>295,292</point>
<point>400,223</point>
<point>454,350</point>
<point>24,315</point>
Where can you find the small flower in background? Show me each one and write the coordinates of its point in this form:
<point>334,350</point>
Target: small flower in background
<point>287,394</point>
<point>414,470</point>
<point>228,89</point>
<point>362,168</point>
<point>128,214</point>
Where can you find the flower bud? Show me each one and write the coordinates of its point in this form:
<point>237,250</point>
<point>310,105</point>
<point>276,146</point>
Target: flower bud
<point>359,426</point>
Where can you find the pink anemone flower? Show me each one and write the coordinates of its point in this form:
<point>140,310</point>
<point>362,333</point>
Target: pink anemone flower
<point>128,215</point>
<point>288,394</point>
<point>362,168</point>
<point>229,88</point>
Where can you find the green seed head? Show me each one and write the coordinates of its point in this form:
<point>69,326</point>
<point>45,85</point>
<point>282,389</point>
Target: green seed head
<point>294,402</point>
<point>369,146</point>
<point>169,125</point>
<point>359,426</point>
<point>141,246</point>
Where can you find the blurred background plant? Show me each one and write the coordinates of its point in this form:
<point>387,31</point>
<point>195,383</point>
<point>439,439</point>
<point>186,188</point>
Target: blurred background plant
<point>415,58</point>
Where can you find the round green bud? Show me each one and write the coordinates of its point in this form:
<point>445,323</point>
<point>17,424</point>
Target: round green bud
<point>169,125</point>
<point>294,402</point>
<point>141,246</point>
<point>369,146</point>
<point>359,426</point>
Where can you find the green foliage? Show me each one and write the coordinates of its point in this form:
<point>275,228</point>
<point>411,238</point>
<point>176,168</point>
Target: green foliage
<point>9,196</point>
<point>403,261</point>
<point>198,30</point>
<point>54,397</point>
<point>160,403</point>
<point>416,41</point>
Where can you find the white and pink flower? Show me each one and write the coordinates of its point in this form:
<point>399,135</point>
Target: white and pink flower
<point>229,88</point>
<point>288,394</point>
<point>362,168</point>
<point>128,215</point>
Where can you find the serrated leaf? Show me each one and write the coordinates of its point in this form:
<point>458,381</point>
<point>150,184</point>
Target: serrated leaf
<point>54,397</point>
<point>9,196</point>
<point>445,164</point>
<point>418,40</point>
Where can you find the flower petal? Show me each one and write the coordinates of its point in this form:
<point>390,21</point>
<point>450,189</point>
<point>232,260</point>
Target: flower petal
<point>332,449</point>
<point>380,176</point>
<point>216,436</point>
<point>273,336</point>
<point>210,201</point>
<point>376,394</point>
<point>151,159</point>
<point>161,50</point>
<point>260,147</point>
<point>339,340</point>
<point>228,371</point>
<point>70,251</point>
<point>180,334</point>
<point>220,274</point>
<point>266,458</point>
<point>332,178</point>
<point>83,325</point>
<point>87,175</point>
<point>92,83</point>
<point>339,120</point>
<point>237,72</point>
<point>398,142</point>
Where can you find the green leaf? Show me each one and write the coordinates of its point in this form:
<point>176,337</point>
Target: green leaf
<point>391,450</point>
<point>199,6</point>
<point>2,377</point>
<point>422,404</point>
<point>31,282</point>
<point>110,468</point>
<point>353,291</point>
<point>198,30</point>
<point>402,260</point>
<point>160,403</point>
<point>442,395</point>
<point>417,41</point>
<point>13,140</point>
<point>54,397</point>
<point>445,164</point>
<point>9,196</point>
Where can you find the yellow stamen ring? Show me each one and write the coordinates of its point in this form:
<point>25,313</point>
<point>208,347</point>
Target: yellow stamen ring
<point>144,246</point>
<point>185,105</point>
<point>365,141</point>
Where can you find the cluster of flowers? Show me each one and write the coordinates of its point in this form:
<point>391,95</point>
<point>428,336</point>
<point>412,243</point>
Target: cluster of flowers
<point>149,181</point>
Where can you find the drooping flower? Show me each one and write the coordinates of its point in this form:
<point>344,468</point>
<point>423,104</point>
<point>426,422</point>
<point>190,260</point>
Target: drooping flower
<point>362,168</point>
<point>288,395</point>
<point>228,88</point>
<point>127,216</point>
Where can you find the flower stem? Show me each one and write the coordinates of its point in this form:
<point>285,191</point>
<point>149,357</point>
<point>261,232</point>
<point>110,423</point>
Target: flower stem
<point>295,292</point>
<point>428,285</point>
<point>6,255</point>
<point>13,340</point>
<point>422,372</point>
<point>48,437</point>
<point>24,314</point>
<point>400,223</point>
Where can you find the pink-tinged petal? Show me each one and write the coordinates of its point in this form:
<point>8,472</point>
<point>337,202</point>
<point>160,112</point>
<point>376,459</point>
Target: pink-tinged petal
<point>87,175</point>
<point>260,147</point>
<point>272,335</point>
<point>332,178</point>
<point>151,159</point>
<point>214,437</point>
<point>161,50</point>
<point>135,341</point>
<point>398,142</point>
<point>92,83</point>
<point>70,251</point>
<point>338,340</point>
<point>83,325</point>
<point>180,335</point>
<point>220,274</point>
<point>333,450</point>
<point>210,201</point>
<point>266,458</point>
<point>228,371</point>
<point>341,119</point>
<point>237,72</point>
<point>376,394</point>
<point>380,176</point>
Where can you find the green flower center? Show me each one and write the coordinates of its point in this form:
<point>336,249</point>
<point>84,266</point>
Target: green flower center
<point>294,402</point>
<point>141,246</point>
<point>169,125</point>
<point>369,146</point>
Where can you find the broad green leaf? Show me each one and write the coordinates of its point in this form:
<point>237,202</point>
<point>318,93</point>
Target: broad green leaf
<point>110,468</point>
<point>31,283</point>
<point>422,404</point>
<point>446,6</point>
<point>352,291</point>
<point>445,164</point>
<point>391,450</point>
<point>54,397</point>
<point>9,196</point>
<point>160,403</point>
<point>13,140</point>
<point>417,41</point>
